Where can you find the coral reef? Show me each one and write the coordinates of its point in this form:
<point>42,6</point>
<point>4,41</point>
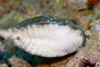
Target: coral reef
<point>17,62</point>
<point>11,13</point>
<point>89,55</point>
<point>93,2</point>
<point>3,65</point>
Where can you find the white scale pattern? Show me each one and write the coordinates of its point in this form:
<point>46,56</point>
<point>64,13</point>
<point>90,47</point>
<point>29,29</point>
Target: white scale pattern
<point>47,40</point>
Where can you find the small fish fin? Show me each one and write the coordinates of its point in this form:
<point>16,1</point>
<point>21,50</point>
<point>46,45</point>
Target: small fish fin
<point>10,48</point>
<point>69,12</point>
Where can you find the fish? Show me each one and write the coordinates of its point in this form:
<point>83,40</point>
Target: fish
<point>45,36</point>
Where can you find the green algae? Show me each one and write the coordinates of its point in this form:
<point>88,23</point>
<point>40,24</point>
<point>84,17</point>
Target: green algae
<point>11,19</point>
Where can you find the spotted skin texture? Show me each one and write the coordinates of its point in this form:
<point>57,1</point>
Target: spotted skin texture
<point>43,20</point>
<point>45,36</point>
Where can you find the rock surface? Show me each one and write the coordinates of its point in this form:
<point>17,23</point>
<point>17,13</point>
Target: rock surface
<point>15,61</point>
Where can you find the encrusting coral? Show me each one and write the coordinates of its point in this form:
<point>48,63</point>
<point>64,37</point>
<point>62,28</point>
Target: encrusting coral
<point>90,54</point>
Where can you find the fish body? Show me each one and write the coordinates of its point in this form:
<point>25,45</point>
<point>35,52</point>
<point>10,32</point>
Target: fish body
<point>45,36</point>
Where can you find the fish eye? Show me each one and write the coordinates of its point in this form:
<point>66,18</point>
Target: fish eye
<point>74,22</point>
<point>1,38</point>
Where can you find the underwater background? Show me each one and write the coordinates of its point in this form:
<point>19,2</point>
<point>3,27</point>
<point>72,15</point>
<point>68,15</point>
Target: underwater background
<point>84,12</point>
